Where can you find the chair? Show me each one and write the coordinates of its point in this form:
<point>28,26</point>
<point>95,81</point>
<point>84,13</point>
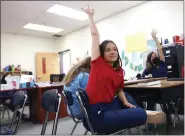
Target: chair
<point>175,108</point>
<point>50,102</point>
<point>18,100</point>
<point>69,102</point>
<point>4,108</point>
<point>57,77</point>
<point>83,100</point>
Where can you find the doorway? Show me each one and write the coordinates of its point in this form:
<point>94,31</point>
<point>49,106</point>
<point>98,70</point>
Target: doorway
<point>65,61</point>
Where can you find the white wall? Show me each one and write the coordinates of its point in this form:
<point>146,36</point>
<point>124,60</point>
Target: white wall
<point>19,49</point>
<point>166,16</point>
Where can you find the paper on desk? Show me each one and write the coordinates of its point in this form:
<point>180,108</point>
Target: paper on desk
<point>5,87</point>
<point>43,84</point>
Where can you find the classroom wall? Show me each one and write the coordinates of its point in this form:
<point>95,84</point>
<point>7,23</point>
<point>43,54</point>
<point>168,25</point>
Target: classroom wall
<point>166,16</point>
<point>19,49</point>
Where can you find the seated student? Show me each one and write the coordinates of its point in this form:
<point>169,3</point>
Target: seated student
<point>155,65</point>
<point>77,77</point>
<point>108,113</point>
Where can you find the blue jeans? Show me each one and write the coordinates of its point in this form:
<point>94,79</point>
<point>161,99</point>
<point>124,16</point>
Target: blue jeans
<point>112,117</point>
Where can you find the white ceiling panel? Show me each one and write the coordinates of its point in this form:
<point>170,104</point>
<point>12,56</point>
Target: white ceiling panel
<point>16,14</point>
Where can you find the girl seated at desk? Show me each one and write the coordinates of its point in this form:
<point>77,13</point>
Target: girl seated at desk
<point>77,77</point>
<point>155,64</point>
<point>108,113</point>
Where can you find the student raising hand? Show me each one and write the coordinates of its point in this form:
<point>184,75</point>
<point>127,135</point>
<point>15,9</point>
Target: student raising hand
<point>89,11</point>
<point>154,33</point>
<point>95,52</point>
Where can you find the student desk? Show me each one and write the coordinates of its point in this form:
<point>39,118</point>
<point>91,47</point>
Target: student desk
<point>166,92</point>
<point>37,113</point>
<point>143,80</point>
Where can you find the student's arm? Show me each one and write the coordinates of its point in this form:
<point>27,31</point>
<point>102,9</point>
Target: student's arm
<point>121,94</point>
<point>148,69</point>
<point>95,53</point>
<point>159,47</point>
<point>123,99</point>
<point>145,72</point>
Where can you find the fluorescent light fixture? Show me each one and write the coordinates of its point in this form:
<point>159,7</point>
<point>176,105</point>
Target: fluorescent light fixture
<point>67,12</point>
<point>42,28</point>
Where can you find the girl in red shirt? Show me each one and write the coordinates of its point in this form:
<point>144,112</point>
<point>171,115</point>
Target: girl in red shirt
<point>108,113</point>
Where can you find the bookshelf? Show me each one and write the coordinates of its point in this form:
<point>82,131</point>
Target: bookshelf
<point>15,73</point>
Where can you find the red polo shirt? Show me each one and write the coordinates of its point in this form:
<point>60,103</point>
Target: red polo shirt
<point>103,82</point>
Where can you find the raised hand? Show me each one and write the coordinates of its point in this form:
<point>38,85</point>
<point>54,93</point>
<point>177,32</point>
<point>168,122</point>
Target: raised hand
<point>154,33</point>
<point>89,11</point>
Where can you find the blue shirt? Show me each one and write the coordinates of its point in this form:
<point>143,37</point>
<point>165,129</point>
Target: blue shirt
<point>80,81</point>
<point>160,71</point>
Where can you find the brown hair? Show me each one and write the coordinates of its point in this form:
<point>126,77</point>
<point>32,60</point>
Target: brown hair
<point>82,66</point>
<point>118,63</point>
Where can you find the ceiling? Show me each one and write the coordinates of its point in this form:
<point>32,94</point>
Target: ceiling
<point>16,14</point>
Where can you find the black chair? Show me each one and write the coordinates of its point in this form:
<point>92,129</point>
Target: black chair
<point>57,77</point>
<point>69,102</point>
<point>18,101</point>
<point>50,102</point>
<point>83,100</point>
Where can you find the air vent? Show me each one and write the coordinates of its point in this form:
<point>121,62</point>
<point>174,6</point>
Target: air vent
<point>56,35</point>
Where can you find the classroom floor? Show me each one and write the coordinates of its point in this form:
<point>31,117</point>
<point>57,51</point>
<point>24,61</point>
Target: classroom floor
<point>65,126</point>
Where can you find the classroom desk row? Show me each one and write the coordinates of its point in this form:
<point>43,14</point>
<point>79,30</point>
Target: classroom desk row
<point>167,91</point>
<point>164,93</point>
<point>37,113</point>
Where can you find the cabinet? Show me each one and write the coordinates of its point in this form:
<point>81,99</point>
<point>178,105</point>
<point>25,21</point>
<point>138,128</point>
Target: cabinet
<point>174,58</point>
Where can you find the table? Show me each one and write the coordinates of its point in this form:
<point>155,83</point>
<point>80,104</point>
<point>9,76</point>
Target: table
<point>37,113</point>
<point>142,80</point>
<point>166,92</point>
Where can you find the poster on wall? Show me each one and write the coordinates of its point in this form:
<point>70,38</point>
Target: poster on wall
<point>135,62</point>
<point>136,42</point>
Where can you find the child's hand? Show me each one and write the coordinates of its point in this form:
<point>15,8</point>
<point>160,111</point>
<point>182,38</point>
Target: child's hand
<point>129,105</point>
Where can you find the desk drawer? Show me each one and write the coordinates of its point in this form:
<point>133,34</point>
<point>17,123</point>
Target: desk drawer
<point>172,74</point>
<point>170,59</point>
<point>172,67</point>
<point>170,50</point>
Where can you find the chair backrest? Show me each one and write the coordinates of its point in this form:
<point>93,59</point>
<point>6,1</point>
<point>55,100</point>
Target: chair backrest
<point>50,102</point>
<point>84,97</point>
<point>68,97</point>
<point>18,101</point>
<point>57,77</point>
<point>84,104</point>
<point>69,102</point>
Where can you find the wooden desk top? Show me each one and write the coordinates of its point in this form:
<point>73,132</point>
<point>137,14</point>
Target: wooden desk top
<point>143,80</point>
<point>164,84</point>
<point>24,89</point>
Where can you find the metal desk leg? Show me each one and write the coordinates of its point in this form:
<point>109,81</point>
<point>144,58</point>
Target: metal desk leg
<point>168,117</point>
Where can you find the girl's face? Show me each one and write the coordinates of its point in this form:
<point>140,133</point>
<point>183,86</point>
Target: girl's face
<point>111,53</point>
<point>154,55</point>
